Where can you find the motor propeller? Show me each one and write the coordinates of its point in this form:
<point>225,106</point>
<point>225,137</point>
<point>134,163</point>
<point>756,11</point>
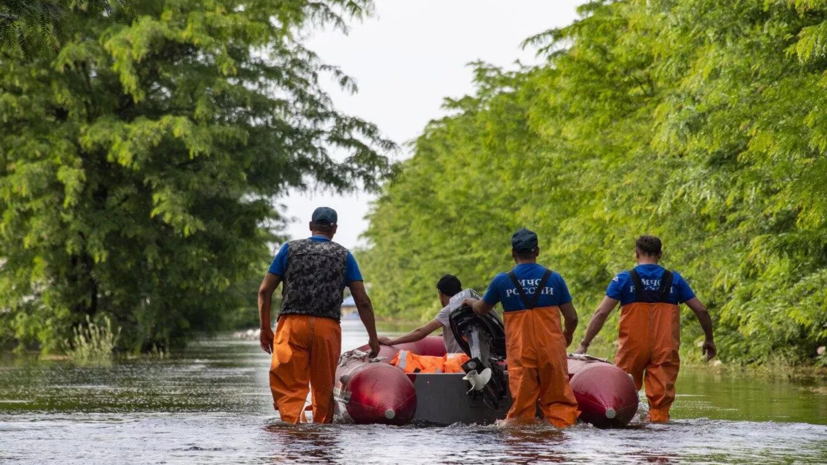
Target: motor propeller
<point>481,337</point>
<point>478,380</point>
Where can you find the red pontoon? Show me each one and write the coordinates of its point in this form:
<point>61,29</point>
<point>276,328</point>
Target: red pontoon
<point>372,391</point>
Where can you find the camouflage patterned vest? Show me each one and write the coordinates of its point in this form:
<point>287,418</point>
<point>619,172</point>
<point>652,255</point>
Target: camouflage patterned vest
<point>314,279</point>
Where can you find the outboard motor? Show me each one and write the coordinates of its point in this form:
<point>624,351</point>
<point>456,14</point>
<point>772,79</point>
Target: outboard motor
<point>481,337</point>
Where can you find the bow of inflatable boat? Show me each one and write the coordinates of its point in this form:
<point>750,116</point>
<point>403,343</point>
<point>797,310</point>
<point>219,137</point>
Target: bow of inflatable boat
<point>606,395</point>
<point>372,392</point>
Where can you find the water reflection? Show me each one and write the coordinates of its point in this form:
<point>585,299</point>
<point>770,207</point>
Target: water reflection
<point>540,443</point>
<point>306,443</point>
<point>655,458</point>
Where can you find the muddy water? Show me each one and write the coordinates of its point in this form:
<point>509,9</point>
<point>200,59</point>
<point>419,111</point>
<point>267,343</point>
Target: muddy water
<point>211,404</point>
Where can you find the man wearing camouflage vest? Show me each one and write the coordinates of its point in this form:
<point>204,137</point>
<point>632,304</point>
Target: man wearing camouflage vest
<point>308,338</point>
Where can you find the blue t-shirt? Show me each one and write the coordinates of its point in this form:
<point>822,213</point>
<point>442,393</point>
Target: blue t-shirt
<point>623,289</point>
<point>502,289</point>
<point>279,264</point>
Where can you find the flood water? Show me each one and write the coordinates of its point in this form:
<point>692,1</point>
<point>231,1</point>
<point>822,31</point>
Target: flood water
<point>211,404</point>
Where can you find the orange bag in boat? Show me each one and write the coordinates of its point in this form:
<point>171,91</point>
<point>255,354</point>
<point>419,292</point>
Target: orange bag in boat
<point>413,363</point>
<point>453,362</point>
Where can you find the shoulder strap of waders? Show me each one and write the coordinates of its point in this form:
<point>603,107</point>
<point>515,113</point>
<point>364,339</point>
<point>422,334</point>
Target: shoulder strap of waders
<point>663,292</point>
<point>666,285</point>
<point>638,285</point>
<point>530,305</point>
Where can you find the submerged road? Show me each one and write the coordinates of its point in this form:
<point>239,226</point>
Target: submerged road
<point>211,404</point>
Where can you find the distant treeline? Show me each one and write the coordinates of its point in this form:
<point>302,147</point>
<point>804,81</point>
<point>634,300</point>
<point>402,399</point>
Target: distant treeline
<point>699,121</point>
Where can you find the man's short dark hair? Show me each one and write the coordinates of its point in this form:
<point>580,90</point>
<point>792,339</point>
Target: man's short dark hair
<point>449,285</point>
<point>322,227</point>
<point>649,245</point>
<point>525,254</point>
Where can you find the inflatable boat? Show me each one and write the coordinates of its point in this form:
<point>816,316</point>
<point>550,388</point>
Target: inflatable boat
<point>373,391</point>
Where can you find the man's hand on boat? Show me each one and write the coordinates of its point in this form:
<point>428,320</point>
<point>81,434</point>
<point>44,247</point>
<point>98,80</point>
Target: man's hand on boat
<point>266,339</point>
<point>480,307</point>
<point>374,347</point>
<point>582,350</point>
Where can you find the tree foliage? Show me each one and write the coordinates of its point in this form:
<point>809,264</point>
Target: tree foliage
<point>28,27</point>
<point>140,161</point>
<point>695,120</point>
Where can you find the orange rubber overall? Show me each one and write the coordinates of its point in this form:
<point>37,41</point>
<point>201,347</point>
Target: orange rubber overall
<point>306,350</point>
<point>649,341</point>
<point>538,368</point>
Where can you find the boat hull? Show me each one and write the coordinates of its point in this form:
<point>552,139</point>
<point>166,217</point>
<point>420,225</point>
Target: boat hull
<point>442,399</point>
<point>606,395</point>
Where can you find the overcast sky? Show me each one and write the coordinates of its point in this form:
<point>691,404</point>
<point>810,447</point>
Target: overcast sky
<point>408,57</point>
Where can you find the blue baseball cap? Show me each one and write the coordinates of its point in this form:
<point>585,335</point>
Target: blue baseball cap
<point>524,240</point>
<point>324,215</point>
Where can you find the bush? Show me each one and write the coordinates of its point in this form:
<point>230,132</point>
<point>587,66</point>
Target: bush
<point>93,344</point>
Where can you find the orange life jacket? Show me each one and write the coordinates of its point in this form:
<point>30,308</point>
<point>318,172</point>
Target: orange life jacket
<point>453,362</point>
<point>410,362</point>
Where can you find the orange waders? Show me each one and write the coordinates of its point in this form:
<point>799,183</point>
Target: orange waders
<point>537,363</point>
<point>306,349</point>
<point>649,342</point>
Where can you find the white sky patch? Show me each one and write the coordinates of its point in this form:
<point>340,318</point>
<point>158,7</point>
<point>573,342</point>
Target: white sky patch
<point>406,59</point>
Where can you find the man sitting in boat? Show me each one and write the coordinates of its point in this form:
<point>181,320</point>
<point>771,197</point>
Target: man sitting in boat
<point>447,287</point>
<point>533,297</point>
<point>650,324</point>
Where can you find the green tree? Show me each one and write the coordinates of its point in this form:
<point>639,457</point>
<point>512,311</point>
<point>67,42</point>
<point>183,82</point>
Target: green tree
<point>29,26</point>
<point>695,120</point>
<point>142,158</point>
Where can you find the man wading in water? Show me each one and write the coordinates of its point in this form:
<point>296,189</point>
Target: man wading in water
<point>650,325</point>
<point>308,338</point>
<point>533,297</point>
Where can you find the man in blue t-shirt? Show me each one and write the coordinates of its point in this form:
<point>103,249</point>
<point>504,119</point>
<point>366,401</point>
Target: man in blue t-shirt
<point>533,297</point>
<point>649,296</point>
<point>307,343</point>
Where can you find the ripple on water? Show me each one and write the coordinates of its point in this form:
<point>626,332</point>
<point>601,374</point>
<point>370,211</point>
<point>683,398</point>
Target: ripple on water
<point>212,405</point>
<point>228,438</point>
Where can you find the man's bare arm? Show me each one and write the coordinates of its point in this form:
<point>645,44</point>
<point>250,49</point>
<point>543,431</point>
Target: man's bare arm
<point>570,316</point>
<point>365,307</point>
<point>596,324</point>
<point>416,335</point>
<point>265,300</point>
<point>705,320</point>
